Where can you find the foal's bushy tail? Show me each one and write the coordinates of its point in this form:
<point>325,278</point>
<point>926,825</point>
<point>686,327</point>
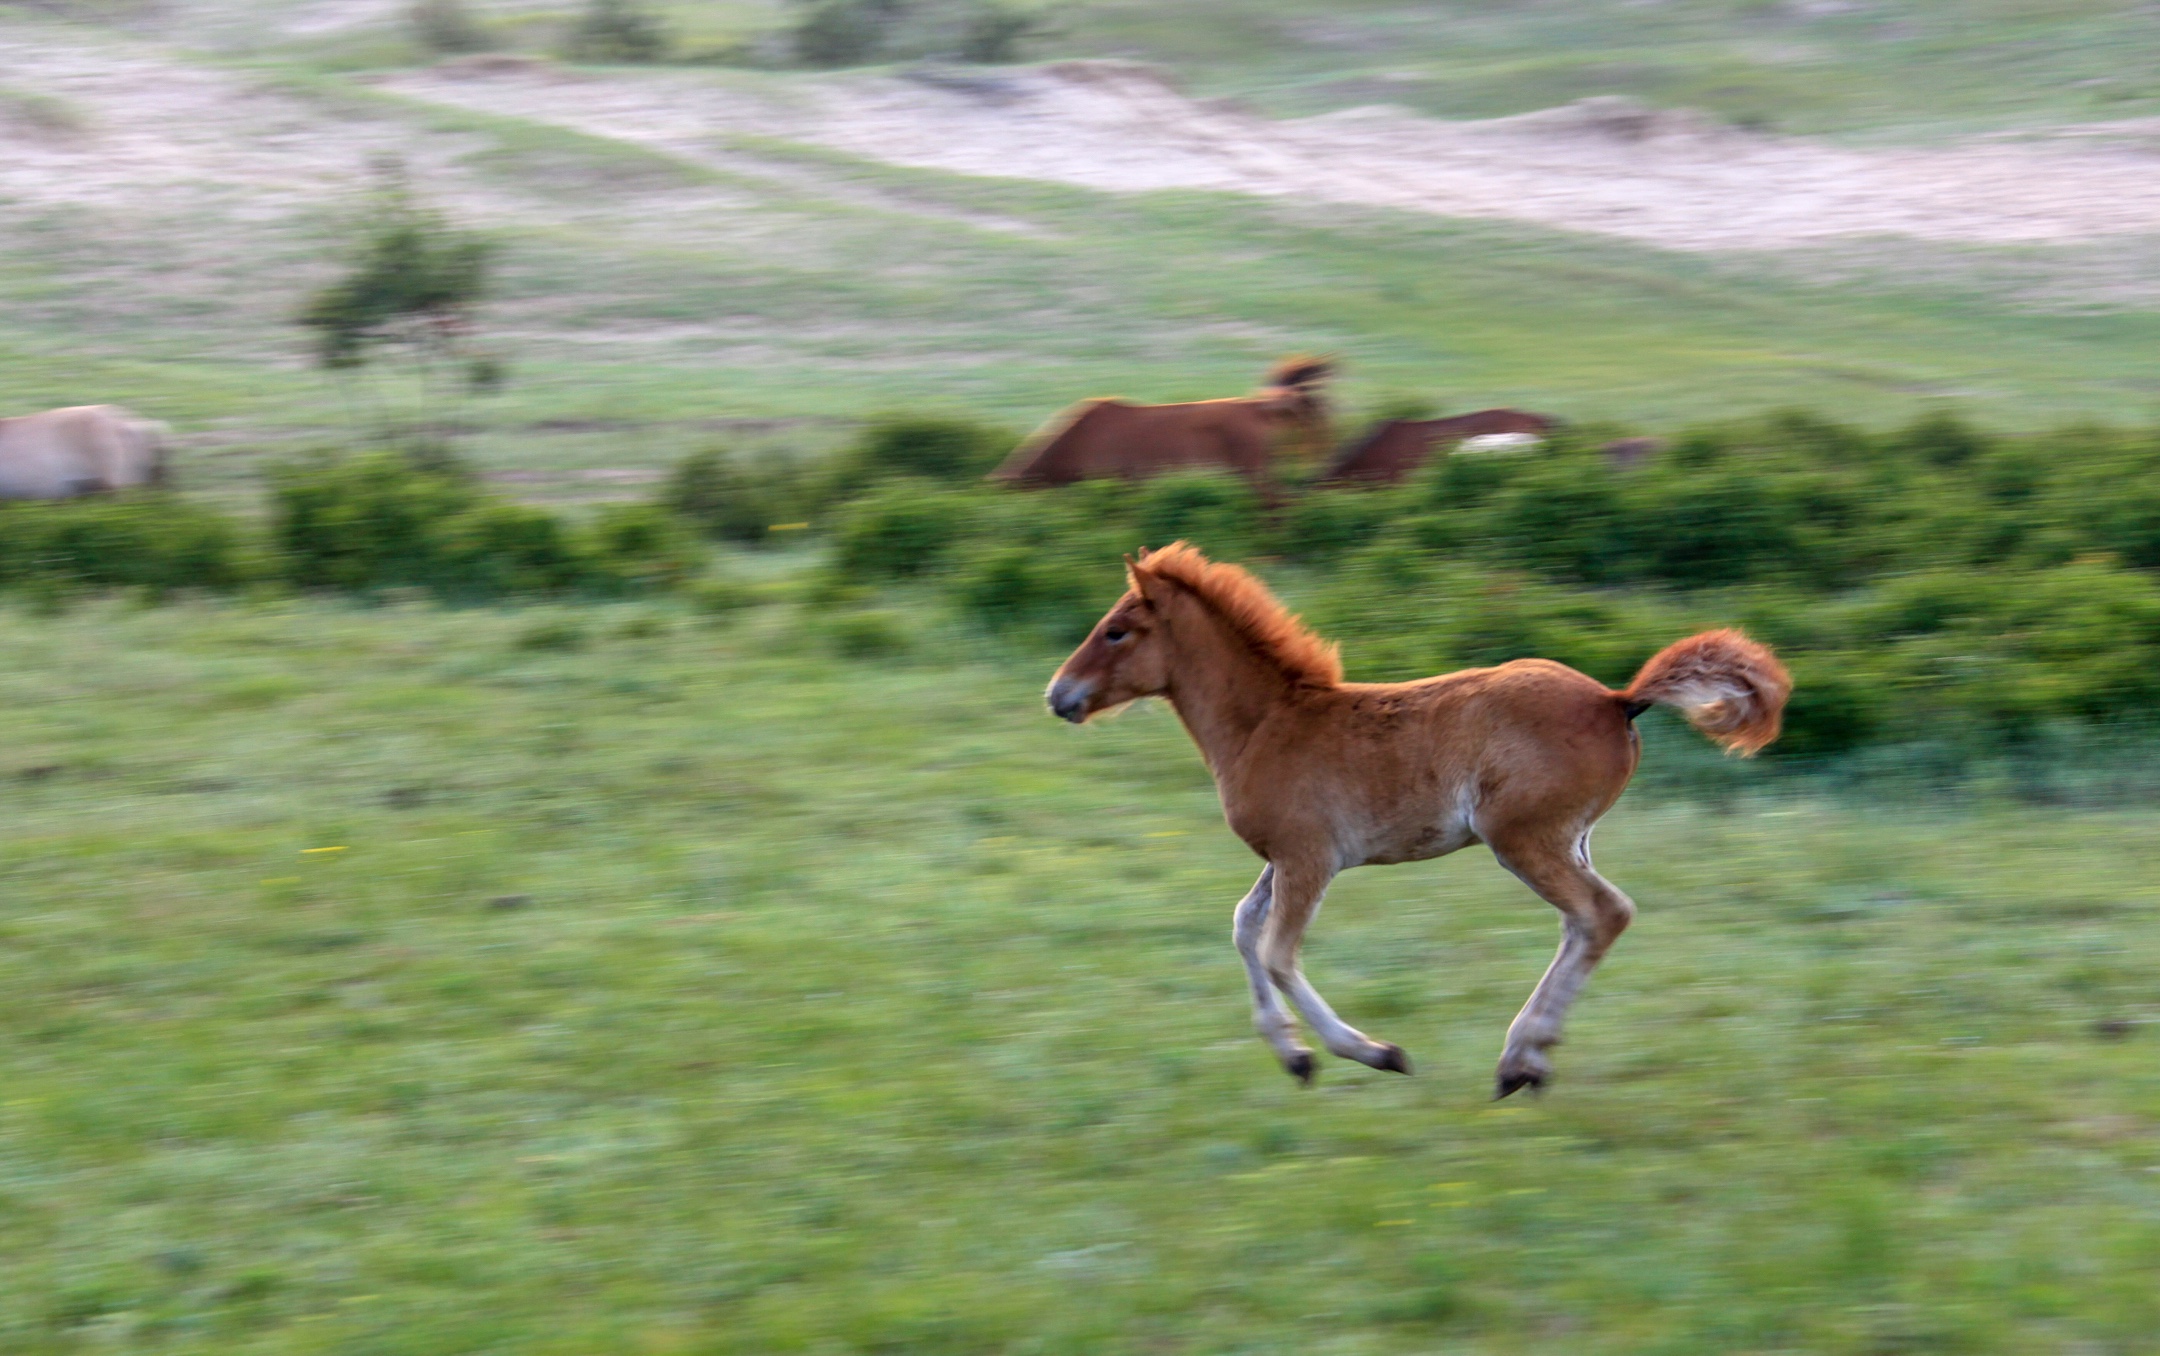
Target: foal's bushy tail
<point>1729,687</point>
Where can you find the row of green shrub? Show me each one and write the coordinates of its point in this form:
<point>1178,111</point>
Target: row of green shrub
<point>353,524</point>
<point>1932,583</point>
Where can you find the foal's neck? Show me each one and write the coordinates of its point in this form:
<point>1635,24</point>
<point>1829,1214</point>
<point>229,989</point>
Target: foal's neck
<point>1221,688</point>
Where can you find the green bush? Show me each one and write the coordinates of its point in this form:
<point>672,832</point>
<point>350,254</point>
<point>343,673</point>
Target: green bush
<point>378,521</point>
<point>618,32</point>
<point>833,33</point>
<point>446,26</point>
<point>1010,588</point>
<point>950,450</point>
<point>153,541</point>
<point>640,547</point>
<point>1321,526</point>
<point>993,33</point>
<point>1214,510</point>
<point>365,522</point>
<point>865,633</point>
<point>732,499</point>
<point>902,529</point>
<point>493,549</point>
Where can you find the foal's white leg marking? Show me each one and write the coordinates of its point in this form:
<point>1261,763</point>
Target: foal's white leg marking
<point>1269,1017</point>
<point>1593,915</point>
<point>1341,1039</point>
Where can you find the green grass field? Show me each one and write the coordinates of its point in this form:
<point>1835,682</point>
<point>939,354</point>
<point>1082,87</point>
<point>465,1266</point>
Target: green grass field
<point>608,979</point>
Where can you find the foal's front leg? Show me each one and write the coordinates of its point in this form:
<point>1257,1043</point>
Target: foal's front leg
<point>1297,898</point>
<point>1268,1015</point>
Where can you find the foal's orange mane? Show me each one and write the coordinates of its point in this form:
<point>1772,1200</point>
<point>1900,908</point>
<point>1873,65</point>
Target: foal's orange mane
<point>1253,612</point>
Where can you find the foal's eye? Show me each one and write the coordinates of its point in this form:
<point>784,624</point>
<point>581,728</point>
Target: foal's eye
<point>1115,634</point>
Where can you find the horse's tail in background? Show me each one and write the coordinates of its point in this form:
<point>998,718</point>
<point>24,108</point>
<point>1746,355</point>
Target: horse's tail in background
<point>1729,687</point>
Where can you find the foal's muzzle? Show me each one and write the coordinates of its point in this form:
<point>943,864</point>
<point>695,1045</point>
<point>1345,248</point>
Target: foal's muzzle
<point>1068,698</point>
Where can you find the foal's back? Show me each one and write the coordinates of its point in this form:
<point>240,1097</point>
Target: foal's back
<point>1398,772</point>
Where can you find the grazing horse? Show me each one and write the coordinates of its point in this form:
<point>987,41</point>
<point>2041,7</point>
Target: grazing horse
<point>1396,447</point>
<point>1106,437</point>
<point>84,449</point>
<point>1318,775</point>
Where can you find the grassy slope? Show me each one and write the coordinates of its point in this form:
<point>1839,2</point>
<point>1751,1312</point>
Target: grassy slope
<point>1902,67</point>
<point>805,284</point>
<point>824,304</point>
<point>1896,67</point>
<point>862,1007</point>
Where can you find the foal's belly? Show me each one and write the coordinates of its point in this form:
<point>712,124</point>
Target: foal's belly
<point>1417,843</point>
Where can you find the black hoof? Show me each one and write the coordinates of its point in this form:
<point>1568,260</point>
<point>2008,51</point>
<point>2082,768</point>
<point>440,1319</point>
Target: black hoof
<point>1301,1067</point>
<point>1393,1059</point>
<point>1506,1085</point>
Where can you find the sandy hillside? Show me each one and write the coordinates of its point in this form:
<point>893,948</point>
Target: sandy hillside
<point>1603,165</point>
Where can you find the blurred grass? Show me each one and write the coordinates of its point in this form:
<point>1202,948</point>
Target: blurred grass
<point>681,987</point>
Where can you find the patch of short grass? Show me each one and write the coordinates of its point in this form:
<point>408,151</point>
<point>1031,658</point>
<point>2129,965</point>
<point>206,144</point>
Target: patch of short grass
<point>855,1005</point>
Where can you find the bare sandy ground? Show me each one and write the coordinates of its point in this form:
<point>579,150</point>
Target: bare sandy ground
<point>1607,166</point>
<point>158,131</point>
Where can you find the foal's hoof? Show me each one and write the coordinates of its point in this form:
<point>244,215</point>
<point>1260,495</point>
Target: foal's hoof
<point>1508,1084</point>
<point>1392,1059</point>
<point>1301,1067</point>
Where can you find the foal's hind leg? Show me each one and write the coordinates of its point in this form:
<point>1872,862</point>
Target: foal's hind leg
<point>1268,1015</point>
<point>1297,898</point>
<point>1593,915</point>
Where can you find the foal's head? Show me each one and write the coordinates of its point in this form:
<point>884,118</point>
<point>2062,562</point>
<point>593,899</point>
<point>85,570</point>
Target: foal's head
<point>1125,657</point>
<point>1130,652</point>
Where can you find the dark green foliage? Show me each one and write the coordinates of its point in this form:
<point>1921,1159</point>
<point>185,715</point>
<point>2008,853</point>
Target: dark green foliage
<point>446,26</point>
<point>640,547</point>
<point>930,448</point>
<point>865,633</point>
<point>1932,585</point>
<point>492,549</point>
<point>1020,588</point>
<point>721,496</point>
<point>379,521</point>
<point>738,498</point>
<point>152,541</point>
<point>1940,440</point>
<point>902,529</point>
<point>992,35</point>
<point>414,279</point>
<point>362,522</point>
<point>1323,525</point>
<point>1214,510</point>
<point>843,32</point>
<point>618,32</point>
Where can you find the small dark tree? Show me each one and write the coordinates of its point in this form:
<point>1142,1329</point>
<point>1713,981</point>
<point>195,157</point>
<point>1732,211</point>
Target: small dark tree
<point>445,26</point>
<point>413,284</point>
<point>844,32</point>
<point>618,32</point>
<point>993,33</point>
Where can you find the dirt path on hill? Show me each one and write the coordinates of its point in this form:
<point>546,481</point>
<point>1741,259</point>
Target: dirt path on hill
<point>1606,166</point>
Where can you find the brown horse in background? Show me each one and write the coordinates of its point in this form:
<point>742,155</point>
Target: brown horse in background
<point>1394,448</point>
<point>1107,437</point>
<point>1318,775</point>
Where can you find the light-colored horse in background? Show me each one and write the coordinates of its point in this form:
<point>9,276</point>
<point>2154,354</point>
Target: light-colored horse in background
<point>1318,775</point>
<point>83,449</point>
